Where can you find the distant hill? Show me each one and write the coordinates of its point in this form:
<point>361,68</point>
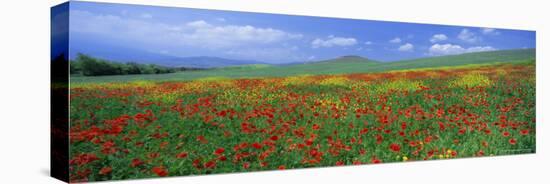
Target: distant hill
<point>121,54</point>
<point>205,62</point>
<point>356,64</point>
<point>336,65</point>
<point>462,59</point>
<point>346,59</point>
<point>341,65</point>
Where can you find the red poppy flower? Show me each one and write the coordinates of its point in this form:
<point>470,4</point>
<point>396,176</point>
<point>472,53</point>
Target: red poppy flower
<point>375,160</point>
<point>401,133</point>
<point>197,163</point>
<point>182,155</point>
<point>512,141</point>
<point>395,147</point>
<point>160,171</point>
<point>363,131</point>
<point>309,141</point>
<point>105,170</point>
<point>274,138</point>
<point>201,139</point>
<point>315,152</point>
<point>257,145</point>
<point>108,147</point>
<point>506,134</point>
<point>246,165</point>
<point>441,126</point>
<point>379,139</point>
<point>210,164</point>
<point>282,167</point>
<point>136,162</point>
<point>219,151</point>
<point>480,153</point>
<point>524,132</point>
<point>339,163</point>
<point>428,139</point>
<point>153,155</point>
<point>316,127</point>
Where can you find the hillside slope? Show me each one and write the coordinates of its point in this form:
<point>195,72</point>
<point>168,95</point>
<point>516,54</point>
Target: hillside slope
<point>462,59</point>
<point>356,64</point>
<point>345,64</point>
<point>335,66</point>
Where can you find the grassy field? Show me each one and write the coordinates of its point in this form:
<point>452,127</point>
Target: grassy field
<point>148,128</point>
<point>336,66</point>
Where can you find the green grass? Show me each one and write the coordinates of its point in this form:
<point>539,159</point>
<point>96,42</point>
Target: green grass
<point>337,66</point>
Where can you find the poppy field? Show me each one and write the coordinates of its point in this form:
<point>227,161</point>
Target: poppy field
<point>145,129</point>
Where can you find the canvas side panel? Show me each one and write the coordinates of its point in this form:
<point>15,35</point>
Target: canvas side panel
<point>59,117</point>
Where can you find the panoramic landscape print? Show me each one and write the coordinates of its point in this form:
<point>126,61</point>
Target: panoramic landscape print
<point>159,91</point>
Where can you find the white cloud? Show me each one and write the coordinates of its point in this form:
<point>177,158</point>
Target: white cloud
<point>489,31</point>
<point>450,49</point>
<point>438,38</point>
<point>395,40</point>
<point>146,16</point>
<point>333,41</point>
<point>445,49</point>
<point>232,35</point>
<point>480,49</point>
<point>197,33</point>
<point>368,43</point>
<point>198,24</point>
<point>468,36</point>
<point>408,47</point>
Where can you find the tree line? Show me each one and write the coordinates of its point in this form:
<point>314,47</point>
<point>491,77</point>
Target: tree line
<point>89,66</point>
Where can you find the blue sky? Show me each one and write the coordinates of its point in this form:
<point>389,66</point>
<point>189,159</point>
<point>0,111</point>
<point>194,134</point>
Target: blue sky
<point>275,38</point>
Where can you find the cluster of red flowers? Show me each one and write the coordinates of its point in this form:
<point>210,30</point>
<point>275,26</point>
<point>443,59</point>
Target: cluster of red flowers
<point>395,147</point>
<point>160,171</point>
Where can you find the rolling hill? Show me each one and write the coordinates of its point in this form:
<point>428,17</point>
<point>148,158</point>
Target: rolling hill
<point>356,64</point>
<point>463,59</point>
<point>122,54</point>
<point>345,64</point>
<point>204,62</point>
<point>350,59</point>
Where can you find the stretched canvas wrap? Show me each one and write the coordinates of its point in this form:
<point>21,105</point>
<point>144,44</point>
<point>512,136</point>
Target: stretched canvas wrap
<point>147,91</point>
